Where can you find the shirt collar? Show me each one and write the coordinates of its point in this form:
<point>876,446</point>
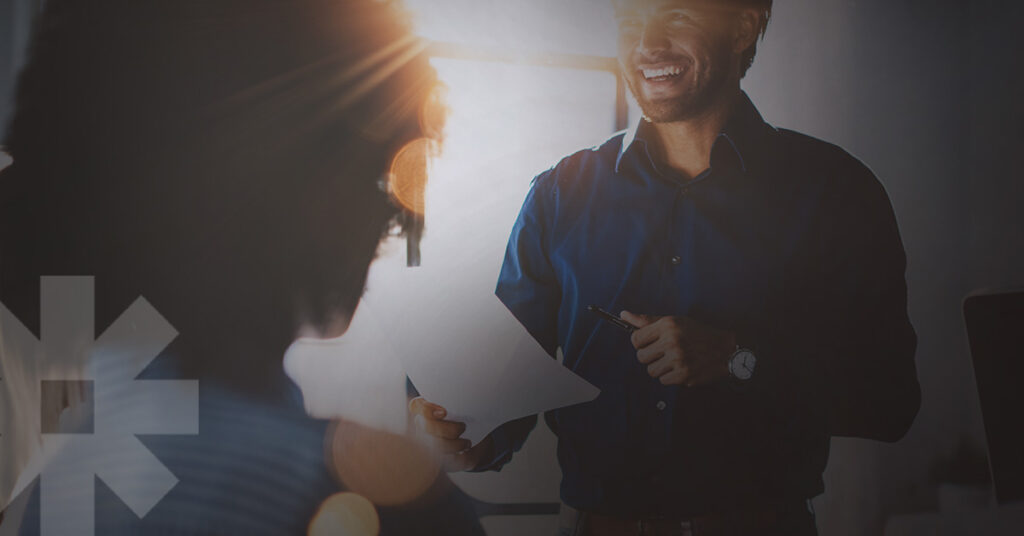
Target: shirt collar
<point>741,134</point>
<point>632,137</point>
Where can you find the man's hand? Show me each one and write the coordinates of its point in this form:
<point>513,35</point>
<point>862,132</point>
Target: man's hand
<point>445,437</point>
<point>679,350</point>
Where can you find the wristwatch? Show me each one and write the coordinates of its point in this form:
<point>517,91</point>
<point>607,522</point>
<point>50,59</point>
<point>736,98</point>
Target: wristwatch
<point>742,364</point>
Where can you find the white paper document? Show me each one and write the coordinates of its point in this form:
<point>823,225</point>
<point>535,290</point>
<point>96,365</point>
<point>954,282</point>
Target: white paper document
<point>357,377</point>
<point>456,341</point>
<point>486,369</point>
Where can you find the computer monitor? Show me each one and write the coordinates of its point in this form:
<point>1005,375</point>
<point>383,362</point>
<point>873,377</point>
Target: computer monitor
<point>995,328</point>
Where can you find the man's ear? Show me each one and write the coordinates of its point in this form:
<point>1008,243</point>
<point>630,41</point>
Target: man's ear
<point>746,30</point>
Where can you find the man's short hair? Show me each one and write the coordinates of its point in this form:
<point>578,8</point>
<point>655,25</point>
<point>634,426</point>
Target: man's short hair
<point>763,6</point>
<point>765,9</point>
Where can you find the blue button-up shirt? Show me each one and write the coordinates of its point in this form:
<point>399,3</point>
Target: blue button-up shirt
<point>785,240</point>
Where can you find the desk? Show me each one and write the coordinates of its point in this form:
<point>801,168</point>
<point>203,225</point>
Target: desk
<point>1006,520</point>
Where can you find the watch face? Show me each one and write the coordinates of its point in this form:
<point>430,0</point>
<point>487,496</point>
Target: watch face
<point>742,364</point>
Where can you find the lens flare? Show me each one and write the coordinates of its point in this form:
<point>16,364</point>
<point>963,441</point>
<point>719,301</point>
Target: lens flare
<point>408,177</point>
<point>345,513</point>
<point>386,468</point>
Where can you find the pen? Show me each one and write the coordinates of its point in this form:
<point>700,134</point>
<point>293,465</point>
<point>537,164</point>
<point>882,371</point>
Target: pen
<point>618,322</point>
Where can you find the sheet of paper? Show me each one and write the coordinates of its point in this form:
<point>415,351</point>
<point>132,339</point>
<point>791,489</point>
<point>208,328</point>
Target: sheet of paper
<point>356,377</point>
<point>486,369</point>
<point>442,325</point>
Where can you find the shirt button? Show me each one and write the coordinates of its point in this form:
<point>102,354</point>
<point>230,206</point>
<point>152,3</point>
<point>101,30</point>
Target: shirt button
<point>660,405</point>
<point>676,260</point>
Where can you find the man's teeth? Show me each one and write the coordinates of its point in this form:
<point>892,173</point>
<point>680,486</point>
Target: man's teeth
<point>662,72</point>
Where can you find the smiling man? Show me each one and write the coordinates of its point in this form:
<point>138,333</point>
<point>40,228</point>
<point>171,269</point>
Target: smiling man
<point>763,272</point>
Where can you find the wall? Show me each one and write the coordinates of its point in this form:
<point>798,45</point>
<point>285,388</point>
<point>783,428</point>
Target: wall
<point>996,145</point>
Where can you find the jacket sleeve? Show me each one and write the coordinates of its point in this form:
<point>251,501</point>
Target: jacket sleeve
<point>844,337</point>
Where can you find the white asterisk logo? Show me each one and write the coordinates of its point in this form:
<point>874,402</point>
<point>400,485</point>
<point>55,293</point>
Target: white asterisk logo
<point>104,443</point>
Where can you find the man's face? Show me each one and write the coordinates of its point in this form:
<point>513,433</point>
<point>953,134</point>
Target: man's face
<point>676,55</point>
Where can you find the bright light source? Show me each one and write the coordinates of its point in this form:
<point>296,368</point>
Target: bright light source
<point>507,122</point>
<point>566,26</point>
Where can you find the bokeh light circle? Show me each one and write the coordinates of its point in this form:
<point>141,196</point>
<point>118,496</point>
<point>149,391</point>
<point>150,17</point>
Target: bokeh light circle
<point>386,468</point>
<point>345,513</point>
<point>408,177</point>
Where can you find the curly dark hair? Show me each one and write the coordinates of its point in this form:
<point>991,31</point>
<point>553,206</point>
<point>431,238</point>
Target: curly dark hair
<point>222,158</point>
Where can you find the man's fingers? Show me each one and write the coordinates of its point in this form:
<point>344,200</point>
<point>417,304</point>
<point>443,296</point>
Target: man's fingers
<point>459,461</point>
<point>442,429</point>
<point>655,370</point>
<point>420,406</point>
<point>644,337</point>
<point>453,446</point>
<point>649,354</point>
<point>660,367</point>
<point>637,320</point>
<point>674,377</point>
<point>428,417</point>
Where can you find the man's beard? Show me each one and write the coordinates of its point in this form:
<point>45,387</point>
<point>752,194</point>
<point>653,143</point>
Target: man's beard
<point>694,102</point>
<point>672,110</point>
